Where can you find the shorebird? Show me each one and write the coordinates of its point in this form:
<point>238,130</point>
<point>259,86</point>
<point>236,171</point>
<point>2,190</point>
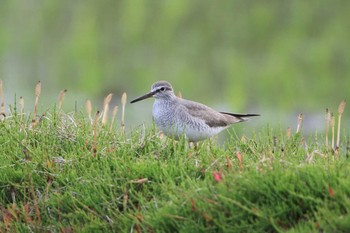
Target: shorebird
<point>178,117</point>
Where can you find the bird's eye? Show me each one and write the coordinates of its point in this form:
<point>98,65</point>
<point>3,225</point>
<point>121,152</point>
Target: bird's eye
<point>162,89</point>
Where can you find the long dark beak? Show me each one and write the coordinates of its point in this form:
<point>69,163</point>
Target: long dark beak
<point>148,95</point>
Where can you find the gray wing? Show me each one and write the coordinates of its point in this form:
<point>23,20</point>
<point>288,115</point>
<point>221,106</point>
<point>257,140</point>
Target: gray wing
<point>211,117</point>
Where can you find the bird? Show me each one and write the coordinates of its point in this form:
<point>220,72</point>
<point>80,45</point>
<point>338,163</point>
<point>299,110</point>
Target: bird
<point>177,117</point>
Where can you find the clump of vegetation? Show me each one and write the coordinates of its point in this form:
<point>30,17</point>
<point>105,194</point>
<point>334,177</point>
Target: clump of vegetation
<point>73,172</point>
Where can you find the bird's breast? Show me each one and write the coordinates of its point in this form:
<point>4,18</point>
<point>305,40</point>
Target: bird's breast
<point>163,114</point>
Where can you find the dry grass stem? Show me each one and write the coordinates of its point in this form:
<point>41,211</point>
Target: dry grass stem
<point>125,198</point>
<point>340,113</point>
<point>239,157</point>
<point>139,181</point>
<point>114,114</point>
<point>35,199</point>
<point>328,121</point>
<point>88,107</point>
<point>105,114</point>
<point>304,144</point>
<point>21,104</point>
<point>336,153</point>
<point>274,143</point>
<point>106,102</point>
<point>37,95</point>
<point>123,110</point>
<point>288,133</point>
<point>300,121</point>
<point>161,135</point>
<point>38,89</point>
<point>2,110</point>
<point>332,125</point>
<point>107,99</point>
<point>60,99</point>
<point>179,94</point>
<point>94,148</point>
<point>341,107</point>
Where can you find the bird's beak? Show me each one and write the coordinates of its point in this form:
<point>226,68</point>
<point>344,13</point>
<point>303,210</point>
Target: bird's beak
<point>148,95</point>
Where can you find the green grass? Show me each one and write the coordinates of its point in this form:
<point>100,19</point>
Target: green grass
<point>53,180</point>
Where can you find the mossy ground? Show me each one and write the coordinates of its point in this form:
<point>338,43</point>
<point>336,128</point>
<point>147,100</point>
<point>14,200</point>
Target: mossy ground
<point>65,174</point>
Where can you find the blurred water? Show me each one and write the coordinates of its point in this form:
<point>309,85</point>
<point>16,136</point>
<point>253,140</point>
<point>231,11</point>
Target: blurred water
<point>141,113</point>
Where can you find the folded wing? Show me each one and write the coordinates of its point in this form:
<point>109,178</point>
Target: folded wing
<point>211,117</point>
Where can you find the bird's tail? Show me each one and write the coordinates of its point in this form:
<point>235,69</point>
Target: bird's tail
<point>242,117</point>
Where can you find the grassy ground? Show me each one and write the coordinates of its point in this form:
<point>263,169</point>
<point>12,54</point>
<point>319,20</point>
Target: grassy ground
<point>66,174</point>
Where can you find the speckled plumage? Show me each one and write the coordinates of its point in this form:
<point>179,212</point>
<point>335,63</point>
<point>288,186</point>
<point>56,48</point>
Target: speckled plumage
<point>176,117</point>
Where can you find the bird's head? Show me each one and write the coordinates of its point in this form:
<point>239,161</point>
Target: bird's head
<point>159,90</point>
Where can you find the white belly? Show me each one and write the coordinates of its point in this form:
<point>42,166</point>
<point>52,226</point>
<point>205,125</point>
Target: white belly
<point>192,134</point>
<point>174,127</point>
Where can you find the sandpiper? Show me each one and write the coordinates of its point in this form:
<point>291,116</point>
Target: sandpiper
<point>177,117</point>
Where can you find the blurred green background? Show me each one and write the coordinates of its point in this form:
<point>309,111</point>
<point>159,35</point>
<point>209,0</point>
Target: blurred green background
<point>277,58</point>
